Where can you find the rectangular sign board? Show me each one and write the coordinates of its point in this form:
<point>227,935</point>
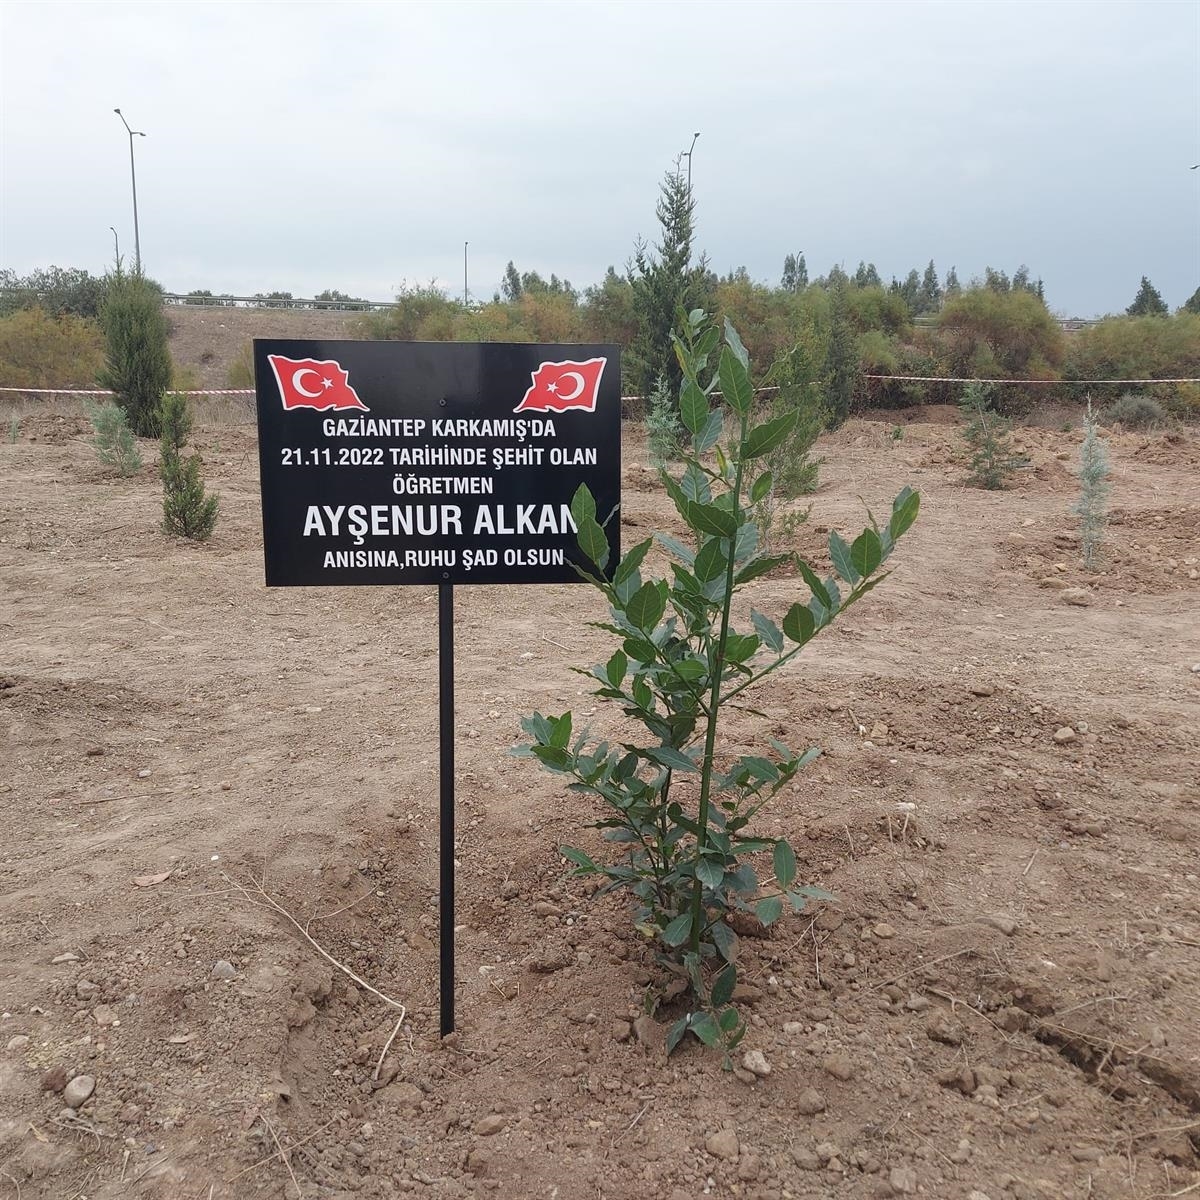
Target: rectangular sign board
<point>433,462</point>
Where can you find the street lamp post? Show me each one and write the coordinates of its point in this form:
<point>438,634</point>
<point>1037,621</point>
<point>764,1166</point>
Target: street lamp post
<point>137,241</point>
<point>689,158</point>
<point>465,245</point>
<point>116,246</point>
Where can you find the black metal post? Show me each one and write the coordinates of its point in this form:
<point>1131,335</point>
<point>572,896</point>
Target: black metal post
<point>446,798</point>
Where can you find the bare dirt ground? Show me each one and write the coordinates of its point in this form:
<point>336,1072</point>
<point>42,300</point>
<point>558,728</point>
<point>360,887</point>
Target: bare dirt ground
<point>1005,1002</point>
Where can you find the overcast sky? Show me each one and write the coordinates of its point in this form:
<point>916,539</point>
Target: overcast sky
<point>357,146</point>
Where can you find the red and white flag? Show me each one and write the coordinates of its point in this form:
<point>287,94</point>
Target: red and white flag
<point>314,383</point>
<point>563,386</point>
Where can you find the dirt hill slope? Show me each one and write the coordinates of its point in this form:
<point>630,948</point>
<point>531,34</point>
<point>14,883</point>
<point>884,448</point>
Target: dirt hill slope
<point>206,341</point>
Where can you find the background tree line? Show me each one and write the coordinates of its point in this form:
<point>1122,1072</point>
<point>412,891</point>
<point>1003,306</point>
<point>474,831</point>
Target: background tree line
<point>831,333</point>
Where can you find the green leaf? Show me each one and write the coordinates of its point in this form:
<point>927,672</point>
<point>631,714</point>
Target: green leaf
<point>724,939</point>
<point>561,733</point>
<point>710,872</point>
<point>740,646</point>
<point>707,342</point>
<point>694,484</point>
<point>723,985</point>
<point>705,1027</point>
<point>678,931</point>
<point>592,542</point>
<point>799,624</point>
<point>761,566</point>
<point>762,439</point>
<point>767,630</point>
<point>646,606</point>
<point>815,585</point>
<point>581,861</point>
<point>904,512</point>
<point>642,696</point>
<point>693,407</point>
<point>712,560</point>
<point>785,864</point>
<point>641,650</point>
<point>843,562</point>
<point>815,893</point>
<point>762,485</point>
<point>676,1032</point>
<point>746,542</point>
<point>735,344</point>
<point>676,547</point>
<point>690,669</point>
<point>616,667</point>
<point>708,518</point>
<point>707,437</point>
<point>583,505</point>
<point>728,1020</point>
<point>629,564</point>
<point>866,553</point>
<point>769,911</point>
<point>669,756</point>
<point>735,382</point>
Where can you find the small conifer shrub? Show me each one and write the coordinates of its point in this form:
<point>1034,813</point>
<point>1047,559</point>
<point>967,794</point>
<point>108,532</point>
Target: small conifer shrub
<point>114,441</point>
<point>664,430</point>
<point>1092,505</point>
<point>187,511</point>
<point>987,435</point>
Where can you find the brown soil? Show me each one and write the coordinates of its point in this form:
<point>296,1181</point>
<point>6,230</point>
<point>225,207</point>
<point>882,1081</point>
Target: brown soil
<point>1005,1001</point>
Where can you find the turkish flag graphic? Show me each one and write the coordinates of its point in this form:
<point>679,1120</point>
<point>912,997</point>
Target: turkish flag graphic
<point>314,383</point>
<point>562,386</point>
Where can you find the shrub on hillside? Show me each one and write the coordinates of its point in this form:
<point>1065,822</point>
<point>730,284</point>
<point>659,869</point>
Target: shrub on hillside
<point>41,351</point>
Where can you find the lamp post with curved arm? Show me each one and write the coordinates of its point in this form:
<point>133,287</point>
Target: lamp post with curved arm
<point>137,241</point>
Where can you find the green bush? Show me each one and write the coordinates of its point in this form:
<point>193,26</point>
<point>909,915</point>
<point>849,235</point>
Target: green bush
<point>41,351</point>
<point>59,291</point>
<point>115,444</point>
<point>1008,334</point>
<point>1137,348</point>
<point>187,512</point>
<point>138,363</point>
<point>1135,412</point>
<point>678,803</point>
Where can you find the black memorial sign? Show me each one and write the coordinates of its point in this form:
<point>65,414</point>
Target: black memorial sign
<point>433,462</point>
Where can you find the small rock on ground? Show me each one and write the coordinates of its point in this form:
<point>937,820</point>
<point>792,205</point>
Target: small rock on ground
<point>810,1102</point>
<point>17,1043</point>
<point>54,1080</point>
<point>1064,735</point>
<point>903,1181</point>
<point>839,1066</point>
<point>756,1063</point>
<point>489,1125</point>
<point>79,1090</point>
<point>722,1144</point>
<point>1000,921</point>
<point>223,969</point>
<point>940,1028</point>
